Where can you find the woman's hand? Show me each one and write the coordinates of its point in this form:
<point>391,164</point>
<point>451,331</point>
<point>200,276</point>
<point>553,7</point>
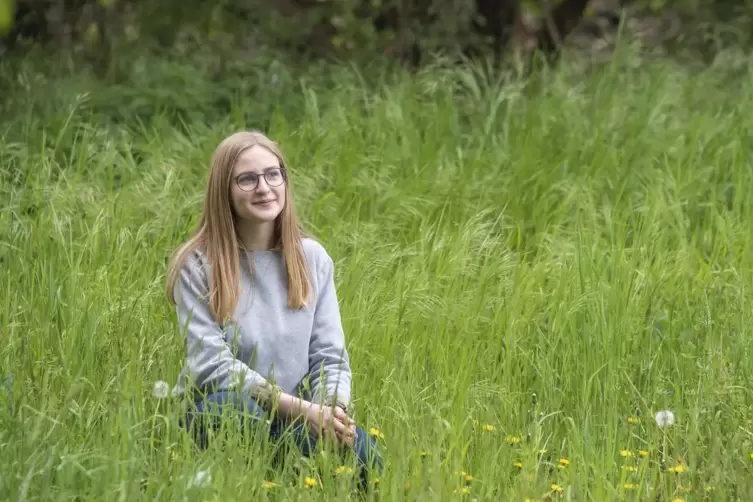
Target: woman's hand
<point>348,422</point>
<point>331,422</point>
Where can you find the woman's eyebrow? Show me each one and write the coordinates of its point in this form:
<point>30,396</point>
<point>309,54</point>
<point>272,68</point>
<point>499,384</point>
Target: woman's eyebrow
<point>254,172</point>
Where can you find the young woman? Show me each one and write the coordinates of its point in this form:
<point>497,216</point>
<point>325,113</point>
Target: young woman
<point>256,298</point>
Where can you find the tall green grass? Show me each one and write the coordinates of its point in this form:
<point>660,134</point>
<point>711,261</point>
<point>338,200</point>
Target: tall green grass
<point>522,265</point>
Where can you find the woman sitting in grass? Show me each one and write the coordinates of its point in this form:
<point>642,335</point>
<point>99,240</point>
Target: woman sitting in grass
<point>250,279</point>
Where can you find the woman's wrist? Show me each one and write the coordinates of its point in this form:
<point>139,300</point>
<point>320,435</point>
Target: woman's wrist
<point>293,407</point>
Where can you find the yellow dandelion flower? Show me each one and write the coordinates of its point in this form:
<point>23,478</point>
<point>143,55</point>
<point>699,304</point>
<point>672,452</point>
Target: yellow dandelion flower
<point>518,464</point>
<point>268,484</point>
<point>630,486</point>
<point>626,453</point>
<point>489,428</point>
<point>678,499</point>
<point>563,463</point>
<point>468,477</point>
<point>679,468</point>
<point>463,491</point>
<point>751,456</point>
<point>373,431</point>
<point>643,453</point>
<point>633,420</point>
<point>376,481</point>
<point>529,500</point>
<point>629,468</point>
<point>344,469</point>
<point>513,439</point>
<point>557,488</point>
<point>311,482</point>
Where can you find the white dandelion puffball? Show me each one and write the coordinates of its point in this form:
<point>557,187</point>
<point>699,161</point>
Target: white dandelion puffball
<point>161,389</point>
<point>202,479</point>
<point>665,418</point>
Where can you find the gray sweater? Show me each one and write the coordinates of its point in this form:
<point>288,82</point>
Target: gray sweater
<point>270,346</point>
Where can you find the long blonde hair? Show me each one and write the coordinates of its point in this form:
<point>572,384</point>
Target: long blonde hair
<point>216,233</point>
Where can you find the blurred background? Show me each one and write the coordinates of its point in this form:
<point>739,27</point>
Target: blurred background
<point>104,34</point>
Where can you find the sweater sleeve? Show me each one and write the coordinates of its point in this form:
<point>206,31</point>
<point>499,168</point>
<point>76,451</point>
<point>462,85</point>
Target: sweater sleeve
<point>210,363</point>
<point>329,362</point>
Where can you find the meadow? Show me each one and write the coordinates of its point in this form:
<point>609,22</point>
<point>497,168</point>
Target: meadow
<point>529,271</point>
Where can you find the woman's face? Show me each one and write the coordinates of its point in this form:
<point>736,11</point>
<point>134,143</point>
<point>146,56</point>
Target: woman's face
<point>257,191</point>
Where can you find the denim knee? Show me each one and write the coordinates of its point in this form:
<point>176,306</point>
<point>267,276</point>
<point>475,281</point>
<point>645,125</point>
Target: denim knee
<point>211,409</point>
<point>367,451</point>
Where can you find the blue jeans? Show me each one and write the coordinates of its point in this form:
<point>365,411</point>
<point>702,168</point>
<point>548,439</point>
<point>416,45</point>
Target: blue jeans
<point>209,410</point>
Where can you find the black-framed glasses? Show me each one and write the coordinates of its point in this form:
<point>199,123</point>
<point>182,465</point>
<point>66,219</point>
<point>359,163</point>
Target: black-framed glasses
<point>249,181</point>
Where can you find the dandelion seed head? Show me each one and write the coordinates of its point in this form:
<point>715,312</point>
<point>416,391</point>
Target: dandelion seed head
<point>201,479</point>
<point>665,418</point>
<point>161,389</point>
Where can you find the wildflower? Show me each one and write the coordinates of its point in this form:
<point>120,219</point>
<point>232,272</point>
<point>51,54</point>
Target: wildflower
<point>563,463</point>
<point>311,482</point>
<point>626,453</point>
<point>343,469</point>
<point>468,478</point>
<point>489,427</point>
<point>375,433</point>
<point>463,491</point>
<point>557,488</point>
<point>424,454</point>
<point>630,486</point>
<point>678,499</point>
<point>518,464</point>
<point>161,389</point>
<point>643,453</point>
<point>268,484</point>
<point>665,418</point>
<point>751,456</point>
<point>633,420</point>
<point>679,468</point>
<point>513,439</point>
